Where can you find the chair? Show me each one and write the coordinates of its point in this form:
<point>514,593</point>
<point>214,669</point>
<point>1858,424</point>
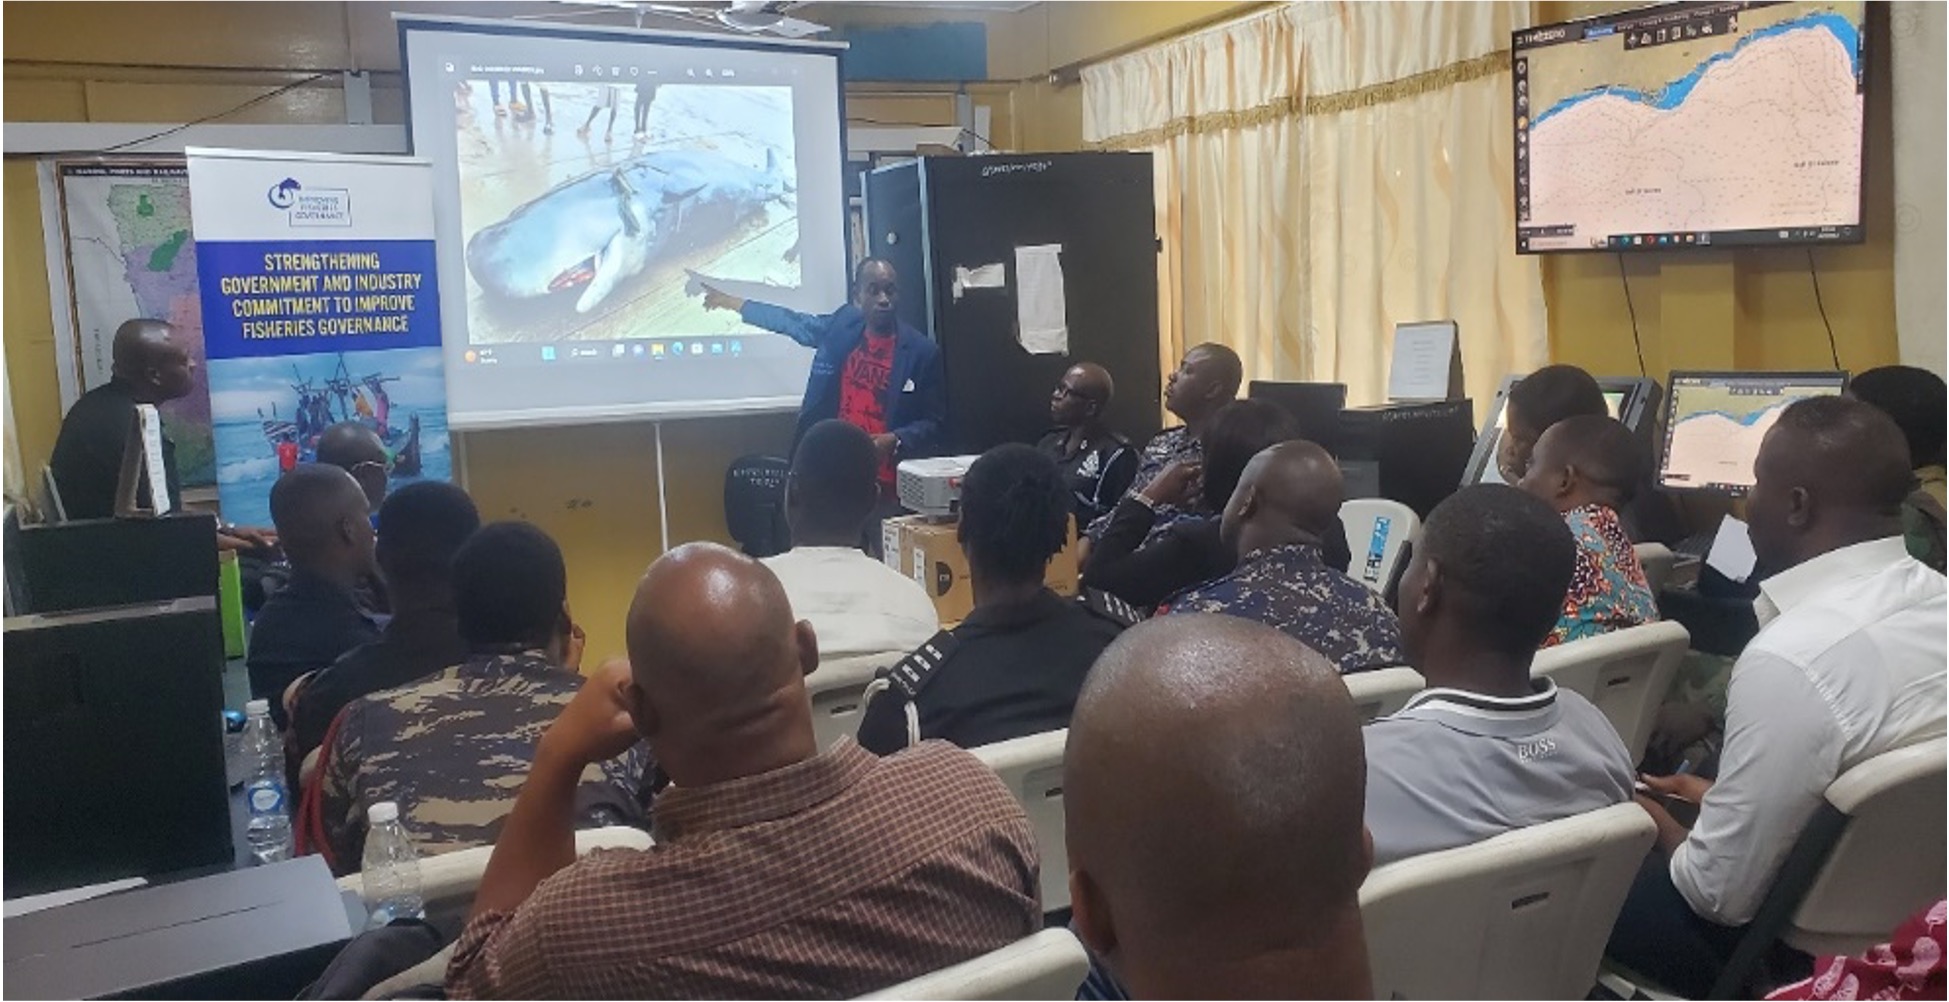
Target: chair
<point>448,881</point>
<point>754,504</point>
<point>1048,965</point>
<point>1031,767</point>
<point>1658,561</point>
<point>1382,691</point>
<point>838,691</point>
<point>1522,915</point>
<point>1626,674</point>
<point>1376,531</point>
<point>1870,857</point>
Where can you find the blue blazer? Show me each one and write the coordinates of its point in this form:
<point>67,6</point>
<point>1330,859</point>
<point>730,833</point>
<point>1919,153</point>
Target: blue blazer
<point>916,393</point>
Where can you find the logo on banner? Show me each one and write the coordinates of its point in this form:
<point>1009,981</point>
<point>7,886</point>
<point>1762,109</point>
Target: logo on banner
<point>313,206</point>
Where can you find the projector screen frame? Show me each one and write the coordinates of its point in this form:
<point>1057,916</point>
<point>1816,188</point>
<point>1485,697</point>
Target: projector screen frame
<point>406,22</point>
<point>1873,25</point>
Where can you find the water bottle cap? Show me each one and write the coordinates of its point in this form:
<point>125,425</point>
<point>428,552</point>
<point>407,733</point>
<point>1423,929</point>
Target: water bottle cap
<point>258,708</point>
<point>383,812</point>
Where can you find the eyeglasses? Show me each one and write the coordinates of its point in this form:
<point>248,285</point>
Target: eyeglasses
<point>385,467</point>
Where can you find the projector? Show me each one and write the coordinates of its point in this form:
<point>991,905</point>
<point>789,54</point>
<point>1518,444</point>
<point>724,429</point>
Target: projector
<point>933,486</point>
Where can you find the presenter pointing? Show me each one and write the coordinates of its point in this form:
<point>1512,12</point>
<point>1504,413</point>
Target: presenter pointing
<point>870,369</point>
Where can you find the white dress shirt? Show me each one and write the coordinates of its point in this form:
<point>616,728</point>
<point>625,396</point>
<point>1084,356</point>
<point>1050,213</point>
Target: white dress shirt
<point>856,604</point>
<point>1848,664</point>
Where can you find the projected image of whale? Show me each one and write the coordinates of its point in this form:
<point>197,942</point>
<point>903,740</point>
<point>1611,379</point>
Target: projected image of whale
<point>583,238</point>
<point>577,226</point>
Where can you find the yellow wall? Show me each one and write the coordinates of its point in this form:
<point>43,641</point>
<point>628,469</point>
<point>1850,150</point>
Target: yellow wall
<point>1753,309</point>
<point>593,488</point>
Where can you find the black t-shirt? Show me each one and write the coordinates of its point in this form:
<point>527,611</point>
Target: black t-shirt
<point>1144,570</point>
<point>87,460</point>
<point>413,645</point>
<point>302,628</point>
<point>1013,670</point>
<point>1098,473</point>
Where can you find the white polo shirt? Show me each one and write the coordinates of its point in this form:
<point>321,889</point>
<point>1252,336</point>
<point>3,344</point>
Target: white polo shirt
<point>856,604</point>
<point>1454,768</point>
<point>1848,664</point>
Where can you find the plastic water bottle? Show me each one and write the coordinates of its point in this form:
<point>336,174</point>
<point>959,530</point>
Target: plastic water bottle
<point>269,831</point>
<point>390,871</point>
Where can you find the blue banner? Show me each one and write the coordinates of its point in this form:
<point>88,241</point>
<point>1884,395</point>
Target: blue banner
<point>276,297</point>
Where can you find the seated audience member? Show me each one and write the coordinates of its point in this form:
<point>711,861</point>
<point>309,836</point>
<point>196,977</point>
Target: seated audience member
<point>856,604</point>
<point>779,871</point>
<point>1848,664</point>
<point>1143,564</point>
<point>1096,461</point>
<point>1212,795</point>
<point>421,527</point>
<point>1587,467</point>
<point>149,365</point>
<point>323,526</point>
<point>357,449</point>
<point>1208,378</point>
<point>1486,749</point>
<point>1283,510</point>
<point>451,750</point>
<point>1919,404</point>
<point>1538,401</point>
<point>1013,667</point>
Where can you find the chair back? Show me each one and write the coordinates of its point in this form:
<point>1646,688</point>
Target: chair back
<point>754,504</point>
<point>1031,767</point>
<point>1658,561</point>
<point>1377,529</point>
<point>1887,862</point>
<point>1524,915</point>
<point>1626,674</point>
<point>838,692</point>
<point>448,880</point>
<point>1048,965</point>
<point>1382,691</point>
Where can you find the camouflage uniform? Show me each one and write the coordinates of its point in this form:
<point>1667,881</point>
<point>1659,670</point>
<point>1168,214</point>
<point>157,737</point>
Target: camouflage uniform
<point>1166,447</point>
<point>453,750</point>
<point>1292,588</point>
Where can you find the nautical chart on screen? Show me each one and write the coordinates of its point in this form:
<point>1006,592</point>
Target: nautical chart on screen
<point>1714,425</point>
<point>1690,124</point>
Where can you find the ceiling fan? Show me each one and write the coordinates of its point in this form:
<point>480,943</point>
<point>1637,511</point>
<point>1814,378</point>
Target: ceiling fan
<point>752,17</point>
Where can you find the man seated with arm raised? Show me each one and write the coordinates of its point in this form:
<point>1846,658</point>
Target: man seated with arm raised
<point>451,749</point>
<point>1206,379</point>
<point>1013,667</point>
<point>779,871</point>
<point>1486,749</point>
<point>304,626</point>
<point>1212,794</point>
<point>1848,664</point>
<point>1588,467</point>
<point>1286,506</point>
<point>856,605</point>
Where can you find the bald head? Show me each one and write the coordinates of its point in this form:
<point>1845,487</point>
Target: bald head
<point>1832,472</point>
<point>719,666</point>
<point>147,356</point>
<point>1237,725</point>
<point>320,514</point>
<point>1081,395</point>
<point>357,449</point>
<point>1289,493</point>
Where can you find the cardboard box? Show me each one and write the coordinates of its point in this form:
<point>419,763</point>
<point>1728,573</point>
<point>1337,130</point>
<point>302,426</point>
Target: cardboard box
<point>936,563</point>
<point>1063,574</point>
<point>893,543</point>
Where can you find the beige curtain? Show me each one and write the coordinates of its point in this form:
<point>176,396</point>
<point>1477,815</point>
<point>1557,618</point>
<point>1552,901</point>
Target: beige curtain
<point>1326,171</point>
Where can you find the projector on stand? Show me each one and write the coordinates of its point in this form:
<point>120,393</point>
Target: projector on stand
<point>932,487</point>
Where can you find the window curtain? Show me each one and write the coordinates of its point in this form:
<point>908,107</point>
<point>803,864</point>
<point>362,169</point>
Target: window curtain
<point>1916,31</point>
<point>1324,171</point>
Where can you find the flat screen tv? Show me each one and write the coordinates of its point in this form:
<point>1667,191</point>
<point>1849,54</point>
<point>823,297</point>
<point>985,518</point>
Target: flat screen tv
<point>1690,125</point>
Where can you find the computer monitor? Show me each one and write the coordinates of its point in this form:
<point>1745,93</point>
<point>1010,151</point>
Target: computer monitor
<point>1416,450</point>
<point>1315,407</point>
<point>1632,399</point>
<point>1714,422</point>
